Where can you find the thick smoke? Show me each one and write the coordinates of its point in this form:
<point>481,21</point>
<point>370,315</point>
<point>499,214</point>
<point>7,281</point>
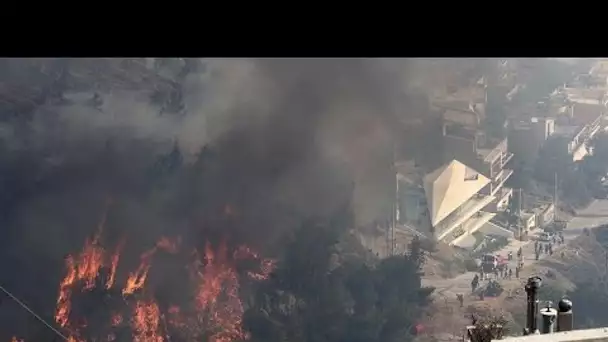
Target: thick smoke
<point>276,140</point>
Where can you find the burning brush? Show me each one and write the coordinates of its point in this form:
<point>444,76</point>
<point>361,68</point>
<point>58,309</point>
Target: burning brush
<point>136,312</point>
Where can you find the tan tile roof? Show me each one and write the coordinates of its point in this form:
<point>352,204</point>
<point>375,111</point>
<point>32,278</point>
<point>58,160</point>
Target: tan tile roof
<point>449,187</point>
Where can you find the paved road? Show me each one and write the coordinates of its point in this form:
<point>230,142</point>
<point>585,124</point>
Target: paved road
<point>595,214</point>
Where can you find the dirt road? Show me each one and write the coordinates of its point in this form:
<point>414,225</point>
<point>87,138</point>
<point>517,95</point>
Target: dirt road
<point>594,215</point>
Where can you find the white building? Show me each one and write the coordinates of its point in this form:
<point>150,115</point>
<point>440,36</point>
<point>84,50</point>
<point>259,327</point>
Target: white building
<point>448,203</point>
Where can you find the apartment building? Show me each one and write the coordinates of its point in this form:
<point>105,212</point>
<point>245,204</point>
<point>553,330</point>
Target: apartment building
<point>527,137</point>
<point>456,199</point>
<point>447,203</point>
<point>578,121</point>
<point>464,140</point>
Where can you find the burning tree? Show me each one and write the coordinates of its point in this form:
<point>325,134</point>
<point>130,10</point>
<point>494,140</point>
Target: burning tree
<point>92,306</point>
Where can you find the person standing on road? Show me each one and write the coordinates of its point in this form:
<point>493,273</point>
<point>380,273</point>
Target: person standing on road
<point>474,283</point>
<point>517,272</point>
<point>510,273</point>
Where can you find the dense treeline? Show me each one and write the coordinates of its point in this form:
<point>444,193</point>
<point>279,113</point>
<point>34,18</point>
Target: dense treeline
<point>314,297</point>
<point>580,180</point>
<point>315,294</point>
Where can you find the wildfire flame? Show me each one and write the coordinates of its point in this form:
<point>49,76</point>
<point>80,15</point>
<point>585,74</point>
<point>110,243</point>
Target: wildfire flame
<point>146,321</point>
<point>114,264</point>
<point>215,314</point>
<point>137,279</point>
<point>218,280</point>
<point>116,319</point>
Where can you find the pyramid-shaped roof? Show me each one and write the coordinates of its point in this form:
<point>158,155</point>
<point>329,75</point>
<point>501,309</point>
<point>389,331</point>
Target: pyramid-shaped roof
<point>449,187</point>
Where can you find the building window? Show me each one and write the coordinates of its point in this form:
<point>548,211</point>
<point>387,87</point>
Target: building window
<point>471,177</point>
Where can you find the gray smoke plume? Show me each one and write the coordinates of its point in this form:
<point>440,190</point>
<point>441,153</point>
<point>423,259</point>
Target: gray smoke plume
<point>283,139</point>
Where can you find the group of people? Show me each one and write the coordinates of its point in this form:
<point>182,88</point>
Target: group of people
<point>492,284</point>
<point>547,248</point>
<point>505,272</point>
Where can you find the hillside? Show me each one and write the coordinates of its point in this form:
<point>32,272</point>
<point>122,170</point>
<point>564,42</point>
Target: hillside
<point>570,274</point>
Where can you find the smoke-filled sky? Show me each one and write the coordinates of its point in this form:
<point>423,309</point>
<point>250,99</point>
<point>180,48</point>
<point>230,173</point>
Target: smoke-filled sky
<point>289,137</point>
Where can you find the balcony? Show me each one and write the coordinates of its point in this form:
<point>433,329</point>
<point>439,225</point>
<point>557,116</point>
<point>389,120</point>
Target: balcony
<point>462,214</point>
<point>505,159</point>
<point>495,151</point>
<point>499,180</point>
<point>471,225</point>
<point>501,196</point>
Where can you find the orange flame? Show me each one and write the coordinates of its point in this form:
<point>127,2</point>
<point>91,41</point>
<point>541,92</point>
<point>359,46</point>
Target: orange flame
<point>218,311</point>
<point>266,267</point>
<point>64,301</point>
<point>116,319</point>
<point>90,261</point>
<point>137,279</point>
<point>114,264</point>
<point>146,321</point>
<point>217,297</point>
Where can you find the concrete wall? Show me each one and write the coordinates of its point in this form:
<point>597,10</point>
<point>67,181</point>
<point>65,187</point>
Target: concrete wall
<point>529,221</point>
<point>461,149</point>
<point>546,216</point>
<point>491,228</point>
<point>585,335</point>
<point>523,145</point>
<point>503,203</point>
<point>525,142</point>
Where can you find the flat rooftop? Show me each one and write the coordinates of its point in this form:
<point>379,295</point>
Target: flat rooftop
<point>586,335</point>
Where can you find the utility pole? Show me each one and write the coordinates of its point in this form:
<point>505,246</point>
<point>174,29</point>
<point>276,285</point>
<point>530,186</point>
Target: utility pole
<point>519,220</point>
<point>395,199</point>
<point>555,199</point>
<point>519,202</point>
